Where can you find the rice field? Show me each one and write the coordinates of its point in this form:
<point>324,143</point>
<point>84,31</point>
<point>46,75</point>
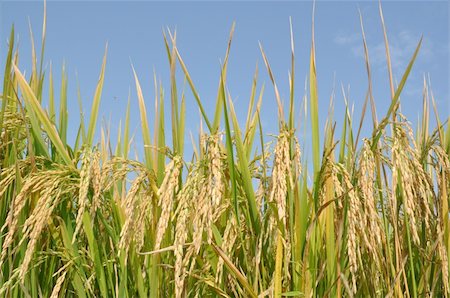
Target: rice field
<point>246,216</point>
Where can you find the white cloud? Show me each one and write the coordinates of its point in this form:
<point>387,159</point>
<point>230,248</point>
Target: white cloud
<point>401,48</point>
<point>343,39</point>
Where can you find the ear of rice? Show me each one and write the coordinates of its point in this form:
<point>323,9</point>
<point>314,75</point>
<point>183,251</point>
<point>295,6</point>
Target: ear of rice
<point>166,194</point>
<point>58,285</point>
<point>354,231</point>
<point>96,181</point>
<point>131,205</point>
<point>85,177</point>
<point>38,220</point>
<point>367,187</point>
<point>13,216</point>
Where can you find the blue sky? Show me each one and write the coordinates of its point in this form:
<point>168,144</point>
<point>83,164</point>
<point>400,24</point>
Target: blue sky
<point>78,31</point>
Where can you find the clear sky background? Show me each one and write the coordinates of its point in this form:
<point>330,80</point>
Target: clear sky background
<point>77,32</point>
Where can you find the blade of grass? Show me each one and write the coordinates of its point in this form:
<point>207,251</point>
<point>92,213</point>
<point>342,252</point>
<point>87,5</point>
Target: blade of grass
<point>96,102</point>
<point>222,84</point>
<point>194,91</point>
<point>230,157</point>
<point>7,77</point>
<point>82,128</point>
<point>174,95</point>
<point>277,93</point>
<point>388,55</point>
<point>314,104</point>
<point>378,132</point>
<point>235,271</point>
<point>63,113</point>
<point>42,116</point>
<point>34,79</point>
<point>291,79</point>
<point>44,30</point>
<point>245,172</point>
<point>369,94</point>
<point>182,124</point>
<point>95,254</point>
<point>252,99</point>
<point>251,130</point>
<point>161,141</point>
<point>51,97</point>
<point>144,122</point>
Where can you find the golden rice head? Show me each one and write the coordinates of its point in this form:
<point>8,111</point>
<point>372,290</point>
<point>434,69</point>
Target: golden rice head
<point>185,198</point>
<point>200,217</point>
<point>58,285</point>
<point>17,204</point>
<point>85,177</point>
<point>215,183</point>
<point>166,193</point>
<point>260,194</point>
<point>281,172</point>
<point>297,159</point>
<point>13,132</point>
<point>442,168</point>
<point>366,183</point>
<point>216,163</point>
<point>402,175</point>
<point>354,221</point>
<point>179,242</point>
<point>40,217</point>
<point>337,185</point>
<point>33,184</point>
<point>131,205</point>
<point>229,238</point>
<point>442,172</point>
<point>442,158</point>
<point>142,218</point>
<point>116,169</point>
<point>286,171</point>
<point>96,175</point>
<point>264,182</point>
<point>211,189</point>
<point>423,186</point>
<point>21,167</point>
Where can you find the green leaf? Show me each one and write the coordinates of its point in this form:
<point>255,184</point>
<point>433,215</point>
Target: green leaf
<point>379,131</point>
<point>34,104</point>
<point>314,109</point>
<point>194,91</point>
<point>235,271</point>
<point>144,123</point>
<point>96,102</point>
<point>245,172</point>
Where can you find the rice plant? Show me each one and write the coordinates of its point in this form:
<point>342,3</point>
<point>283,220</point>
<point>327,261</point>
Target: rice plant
<point>245,217</point>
